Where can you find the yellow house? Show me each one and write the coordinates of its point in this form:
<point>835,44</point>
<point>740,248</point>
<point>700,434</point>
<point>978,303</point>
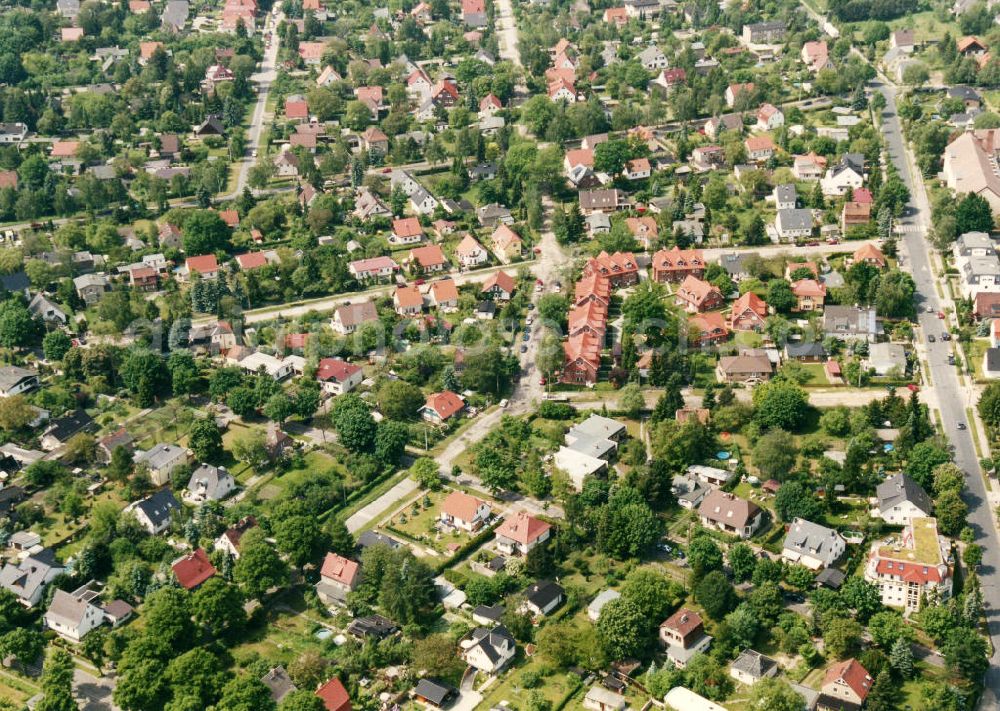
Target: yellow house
<point>506,244</point>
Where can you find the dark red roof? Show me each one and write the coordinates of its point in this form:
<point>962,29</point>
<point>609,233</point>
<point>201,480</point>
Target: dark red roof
<point>334,696</point>
<point>193,569</point>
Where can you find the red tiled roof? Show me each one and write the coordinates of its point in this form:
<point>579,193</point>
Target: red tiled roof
<point>580,156</point>
<point>230,217</point>
<point>684,621</point>
<point>193,569</point>
<point>760,143</point>
<point>445,403</point>
<point>853,674</point>
<point>676,258</point>
<point>203,264</point>
<point>335,369</point>
<point>334,696</point>
<point>296,108</point>
<point>407,227</point>
<point>749,301</point>
<point>808,287</point>
<point>428,256</point>
<point>868,252</point>
<point>522,528</point>
<point>65,149</point>
<point>444,290</point>
<point>251,260</point>
<point>695,290</point>
<point>408,297</point>
<point>460,505</point>
<point>338,568</point>
<point>501,279</point>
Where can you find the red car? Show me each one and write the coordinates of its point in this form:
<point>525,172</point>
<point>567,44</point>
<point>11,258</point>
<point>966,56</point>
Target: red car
<point>541,381</point>
<point>419,282</point>
<point>940,314</point>
<point>913,388</point>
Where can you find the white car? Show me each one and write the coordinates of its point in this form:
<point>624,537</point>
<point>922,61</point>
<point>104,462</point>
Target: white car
<point>503,403</point>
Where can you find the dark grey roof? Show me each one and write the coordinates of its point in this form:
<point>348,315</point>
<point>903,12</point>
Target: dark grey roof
<point>437,692</point>
<point>811,539</point>
<point>18,281</point>
<point>543,593</point>
<point>278,683</point>
<point>374,626</point>
<point>754,663</point>
<point>11,375</point>
<point>371,538</point>
<point>67,426</point>
<point>786,192</point>
<point>810,349</point>
<point>899,488</point>
<point>795,219</point>
<point>831,578</point>
<point>963,92</point>
<point>493,613</point>
<point>157,508</point>
<point>490,640</point>
<point>993,359</point>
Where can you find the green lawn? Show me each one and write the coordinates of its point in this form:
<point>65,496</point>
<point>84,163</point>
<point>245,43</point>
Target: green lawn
<point>510,688</point>
<point>418,522</point>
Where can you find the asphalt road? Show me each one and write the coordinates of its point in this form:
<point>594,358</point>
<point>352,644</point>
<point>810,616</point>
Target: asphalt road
<point>952,398</point>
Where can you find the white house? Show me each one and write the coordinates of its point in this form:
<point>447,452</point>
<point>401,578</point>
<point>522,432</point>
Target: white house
<point>848,174</point>
<point>155,512</point>
<point>752,666</point>
<point>464,512</point>
<point>338,376</point>
<point>541,598</point>
<point>520,533</point>
<point>209,483</point>
<point>15,380</point>
<point>900,499</point>
<point>812,545</point>
<point>488,650</point>
<point>28,578</point>
<point>795,223</point>
<point>73,615</point>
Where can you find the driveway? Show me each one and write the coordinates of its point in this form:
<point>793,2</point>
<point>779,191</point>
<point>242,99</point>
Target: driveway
<point>373,510</point>
<point>93,693</point>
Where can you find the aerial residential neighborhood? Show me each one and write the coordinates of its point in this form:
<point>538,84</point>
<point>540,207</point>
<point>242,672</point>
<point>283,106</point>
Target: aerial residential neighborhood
<point>514,355</point>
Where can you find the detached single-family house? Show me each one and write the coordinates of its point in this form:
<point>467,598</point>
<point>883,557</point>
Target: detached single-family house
<point>229,540</point>
<point>470,253</point>
<point>488,650</point>
<point>441,407</point>
<point>683,634</point>
<point>338,576</point>
<point>542,597</point>
<point>15,380</point>
<point>28,578</point>
<point>730,514</point>
<point>73,615</point>
<point>751,666</point>
<point>900,499</point>
<point>845,686</point>
<point>91,287</point>
<point>465,512</point>
<point>795,223</point>
<point>209,483</point>
<point>193,569</point>
<point>812,545</point>
<point>520,533</point>
<point>161,460</point>
<point>155,512</point>
<point>749,313</point>
<point>348,317</point>
<point>337,376</point>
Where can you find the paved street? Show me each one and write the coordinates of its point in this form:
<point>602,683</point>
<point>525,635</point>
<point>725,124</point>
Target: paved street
<point>262,80</point>
<point>93,693</point>
<point>952,399</point>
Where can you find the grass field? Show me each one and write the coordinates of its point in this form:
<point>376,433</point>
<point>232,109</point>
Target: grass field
<point>511,691</point>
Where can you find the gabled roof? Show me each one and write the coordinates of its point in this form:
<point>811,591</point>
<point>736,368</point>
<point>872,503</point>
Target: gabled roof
<point>750,301</point>
<point>193,569</point>
<point>851,673</point>
<point>408,297</point>
<point>334,696</point>
<point>523,528</point>
<point>543,593</point>
<point>445,404</point>
<point>204,264</point>
<point>443,291</point>
<point>340,569</point>
<point>428,256</point>
<point>335,369</point>
<point>899,488</point>
<point>351,315</point>
<point>500,279</point>
<point>157,507</point>
<point>251,260</point>
<point>461,506</point>
<point>722,507</point>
